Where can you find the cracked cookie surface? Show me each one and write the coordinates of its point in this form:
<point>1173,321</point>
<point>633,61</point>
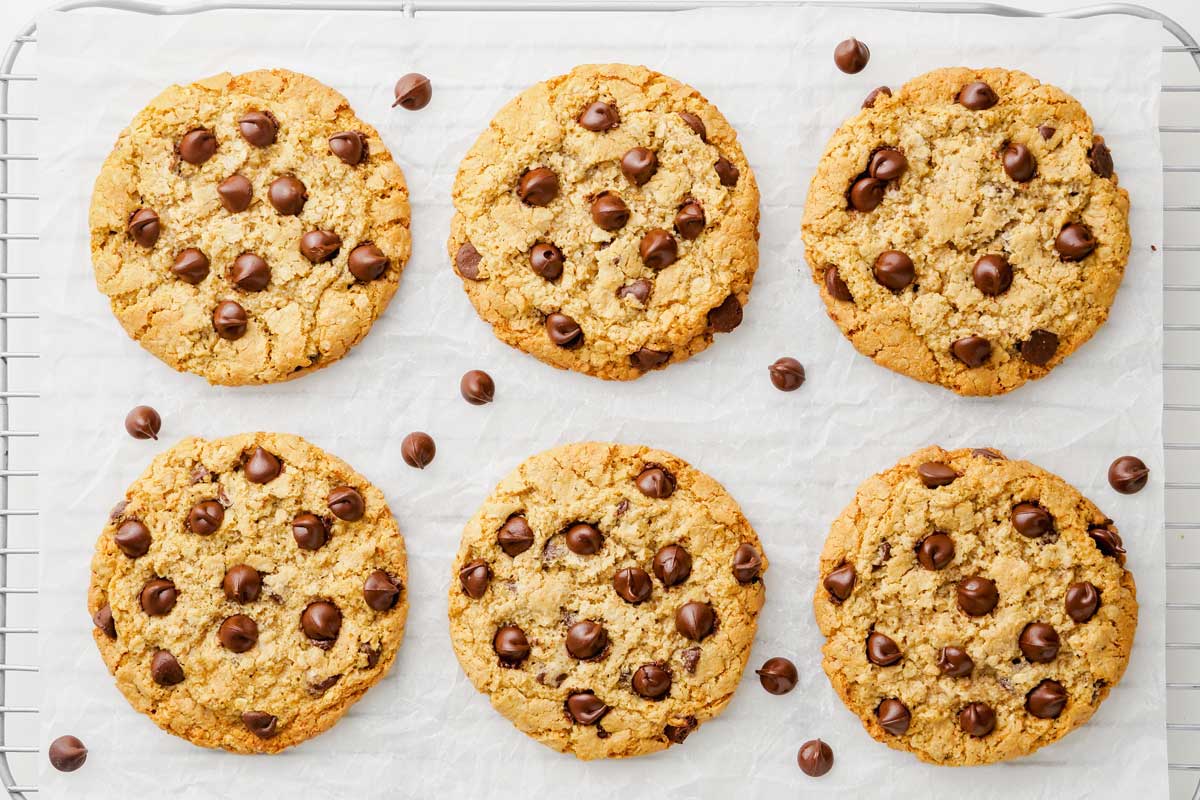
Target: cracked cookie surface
<point>607,222</point>
<point>957,166</point>
<point>208,173</point>
<point>975,608</point>
<point>248,590</point>
<point>619,636</point>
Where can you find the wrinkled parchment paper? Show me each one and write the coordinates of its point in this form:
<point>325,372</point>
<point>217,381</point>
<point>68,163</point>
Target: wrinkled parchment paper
<point>792,460</point>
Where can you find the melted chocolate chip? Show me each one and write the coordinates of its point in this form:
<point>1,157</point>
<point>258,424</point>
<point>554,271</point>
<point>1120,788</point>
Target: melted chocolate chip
<point>515,536</point>
<point>893,716</point>
<point>977,595</point>
<point>633,585</point>
<point>672,565</point>
<point>840,582</point>
<point>935,551</point>
<point>475,577</point>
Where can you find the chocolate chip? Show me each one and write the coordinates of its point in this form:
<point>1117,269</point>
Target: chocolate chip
<point>695,123</point>
<point>655,482</point>
<point>584,708</point>
<point>973,351</point>
<point>229,320</point>
<point>1128,474</point>
<point>238,633</point>
<point>319,688</point>
<point>935,551</point>
<point>262,466</point>
<point>564,331</point>
<point>988,453</point>
<point>1082,601</point>
<point>1039,642</point>
<point>158,597</point>
<point>511,645</point>
<point>881,650</point>
<point>672,565</point>
<point>133,538</point>
<point>349,146</point>
<point>67,754</point>
<point>346,503</point>
<point>321,621</point>
<point>787,374</point>
<point>954,662</point>
<point>867,193</point>
<point>1046,131</point>
<point>677,734</point>
<point>413,92</point>
<point>815,758</point>
<point>1046,700</point>
<point>538,187</point>
<point>367,262</point>
<point>477,387</point>
<point>165,669</point>
<point>1074,242</point>
<point>259,128</point>
<point>934,474</point>
<point>418,449</point>
<point>1031,520</point>
<point>851,56</point>
<point>242,584</point>
<point>515,536</point>
<point>747,563</point>
<point>191,266</point>
<point>206,517</point>
<point>840,582</point>
<point>639,290</point>
<point>651,681</point>
<point>381,591</point>
<point>977,96</point>
<point>261,724</point>
<point>235,193</point>
<point>546,261</point>
<point>583,539</point>
<point>599,116</point>
<point>103,620</point>
<point>658,249</point>
<point>586,639</point>
<point>1018,162</point>
<point>727,316</point>
<point>778,675</point>
<point>319,246</point>
<point>695,620</point>
<point>475,577</point>
<point>894,270</point>
<point>893,716</point>
<point>977,719</point>
<point>197,146</point>
<point>690,220</point>
<point>835,286</point>
<point>977,595</point>
<point>632,584</point>
<point>309,531</point>
<point>887,164</point>
<point>143,227</point>
<point>647,359</point>
<point>1109,542</point>
<point>609,211</point>
<point>287,194</point>
<point>869,102</point>
<point>639,165</point>
<point>250,273</point>
<point>992,275</point>
<point>143,422</point>
<point>727,173</point>
<point>372,654</point>
<point>1039,348</point>
<point>1100,158</point>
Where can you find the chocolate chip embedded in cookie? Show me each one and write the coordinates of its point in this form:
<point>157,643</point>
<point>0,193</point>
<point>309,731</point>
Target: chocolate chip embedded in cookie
<point>605,598</point>
<point>228,227</point>
<point>621,237</point>
<point>1023,240</point>
<point>1000,620</point>
<point>231,628</point>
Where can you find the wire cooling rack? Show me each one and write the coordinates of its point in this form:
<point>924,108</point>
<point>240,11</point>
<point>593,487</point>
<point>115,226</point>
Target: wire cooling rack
<point>19,686</point>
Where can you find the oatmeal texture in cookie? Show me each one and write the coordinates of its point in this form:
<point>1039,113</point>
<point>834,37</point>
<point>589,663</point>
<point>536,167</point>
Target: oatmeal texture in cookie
<point>968,230</point>
<point>248,590</point>
<point>607,222</point>
<point>975,608</point>
<point>249,228</point>
<point>605,598</point>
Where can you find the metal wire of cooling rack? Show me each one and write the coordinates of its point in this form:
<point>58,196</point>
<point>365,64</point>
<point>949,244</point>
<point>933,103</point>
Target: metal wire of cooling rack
<point>20,744</point>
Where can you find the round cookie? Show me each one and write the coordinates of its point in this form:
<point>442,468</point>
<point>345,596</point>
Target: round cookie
<point>968,229</point>
<point>249,228</point>
<point>607,222</point>
<point>975,608</point>
<point>605,598</point>
<point>248,590</point>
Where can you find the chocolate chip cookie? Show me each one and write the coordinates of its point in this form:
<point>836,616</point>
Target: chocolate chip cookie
<point>605,597</point>
<point>249,228</point>
<point>974,608</point>
<point>968,230</point>
<point>607,222</point>
<point>248,590</point>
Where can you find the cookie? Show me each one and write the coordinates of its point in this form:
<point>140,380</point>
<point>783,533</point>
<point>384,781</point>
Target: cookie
<point>249,228</point>
<point>968,229</point>
<point>248,590</point>
<point>607,222</point>
<point>974,608</point>
<point>605,598</point>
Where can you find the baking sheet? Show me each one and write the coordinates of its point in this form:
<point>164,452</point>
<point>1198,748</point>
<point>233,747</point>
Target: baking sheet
<point>792,460</point>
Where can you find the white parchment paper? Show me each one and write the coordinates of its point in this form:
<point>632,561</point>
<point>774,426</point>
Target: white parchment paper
<point>792,460</point>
